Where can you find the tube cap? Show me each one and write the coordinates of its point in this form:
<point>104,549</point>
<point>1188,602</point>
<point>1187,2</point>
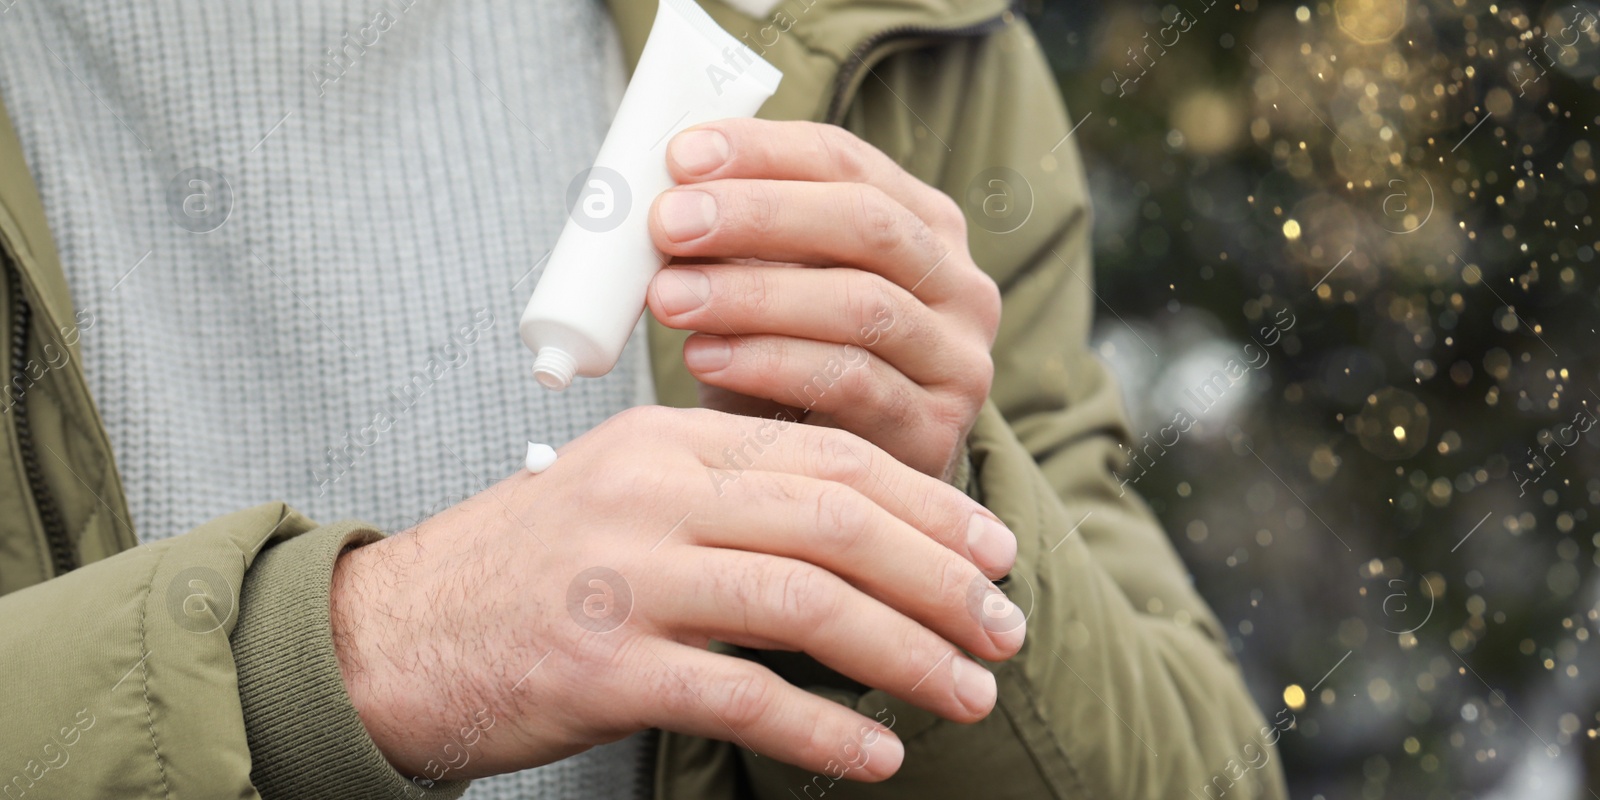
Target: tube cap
<point>554,368</point>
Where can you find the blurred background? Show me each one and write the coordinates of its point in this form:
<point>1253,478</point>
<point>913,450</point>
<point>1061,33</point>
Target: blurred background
<point>1350,246</point>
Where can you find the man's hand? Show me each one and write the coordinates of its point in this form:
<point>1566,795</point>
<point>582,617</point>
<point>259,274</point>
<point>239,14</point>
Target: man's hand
<point>554,612</point>
<point>887,336</point>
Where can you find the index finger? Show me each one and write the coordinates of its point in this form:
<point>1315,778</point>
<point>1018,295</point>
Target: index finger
<point>803,151</point>
<point>937,509</point>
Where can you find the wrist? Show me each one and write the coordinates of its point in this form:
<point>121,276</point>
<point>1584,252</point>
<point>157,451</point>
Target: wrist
<point>361,615</point>
<point>306,737</point>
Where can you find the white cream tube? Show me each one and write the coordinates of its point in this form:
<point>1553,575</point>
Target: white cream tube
<point>592,292</point>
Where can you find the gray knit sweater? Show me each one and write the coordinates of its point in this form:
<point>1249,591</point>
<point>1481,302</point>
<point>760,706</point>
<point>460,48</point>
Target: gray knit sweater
<point>305,230</point>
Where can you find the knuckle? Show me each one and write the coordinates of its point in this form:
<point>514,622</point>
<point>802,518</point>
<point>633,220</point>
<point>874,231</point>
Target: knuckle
<point>895,402</point>
<point>670,685</point>
<point>845,150</point>
<point>837,456</point>
<point>764,355</point>
<point>872,297</point>
<point>593,653</point>
<point>978,379</point>
<point>988,303</point>
<point>798,593</point>
<point>756,293</point>
<point>950,419</point>
<point>842,516</point>
<point>785,493</point>
<point>924,242</point>
<point>747,697</point>
<point>954,579</point>
<point>875,219</point>
<point>821,741</point>
<point>742,586</point>
<point>759,206</point>
<point>801,598</point>
<point>918,648</point>
<point>949,217</point>
<point>907,318</point>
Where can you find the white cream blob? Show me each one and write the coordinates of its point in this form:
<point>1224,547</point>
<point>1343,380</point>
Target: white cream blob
<point>540,457</point>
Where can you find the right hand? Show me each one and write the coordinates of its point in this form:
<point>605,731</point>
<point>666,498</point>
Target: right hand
<point>611,570</point>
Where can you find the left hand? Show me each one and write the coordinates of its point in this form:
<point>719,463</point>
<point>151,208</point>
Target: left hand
<point>822,279</point>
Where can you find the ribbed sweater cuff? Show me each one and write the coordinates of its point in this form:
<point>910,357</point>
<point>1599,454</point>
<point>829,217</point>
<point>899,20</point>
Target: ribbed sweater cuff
<point>306,739</point>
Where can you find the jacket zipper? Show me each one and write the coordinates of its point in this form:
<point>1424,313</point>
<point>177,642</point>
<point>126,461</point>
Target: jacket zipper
<point>63,559</point>
<point>864,56</point>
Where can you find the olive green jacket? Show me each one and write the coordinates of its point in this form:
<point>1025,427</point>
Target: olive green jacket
<point>202,665</point>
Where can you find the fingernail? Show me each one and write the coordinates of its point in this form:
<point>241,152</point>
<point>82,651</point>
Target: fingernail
<point>975,686</point>
<point>704,353</point>
<point>687,215</point>
<point>993,546</point>
<point>888,753</point>
<point>682,290</point>
<point>1009,626</point>
<point>699,152</point>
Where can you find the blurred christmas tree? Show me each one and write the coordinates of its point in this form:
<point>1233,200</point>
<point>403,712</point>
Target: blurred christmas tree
<point>1384,210</point>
